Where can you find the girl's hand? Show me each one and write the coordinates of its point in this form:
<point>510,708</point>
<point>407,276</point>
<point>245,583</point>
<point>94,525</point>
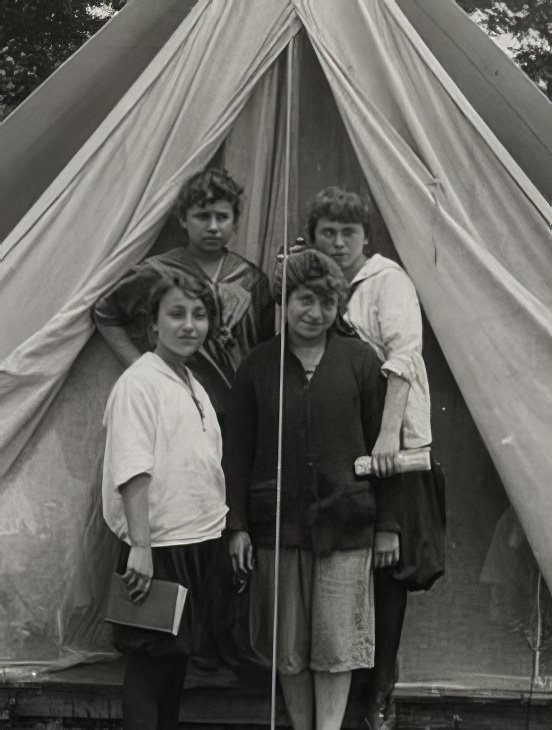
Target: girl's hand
<point>384,453</point>
<point>139,573</point>
<point>386,549</point>
<point>240,550</point>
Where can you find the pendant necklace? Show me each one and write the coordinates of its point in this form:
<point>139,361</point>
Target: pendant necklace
<point>197,402</point>
<point>310,364</point>
<point>185,378</point>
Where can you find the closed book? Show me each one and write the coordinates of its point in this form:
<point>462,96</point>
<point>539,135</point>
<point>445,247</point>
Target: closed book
<point>161,611</point>
<point>407,460</point>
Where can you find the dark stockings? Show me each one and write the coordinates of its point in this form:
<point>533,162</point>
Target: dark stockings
<point>151,692</point>
<point>390,606</point>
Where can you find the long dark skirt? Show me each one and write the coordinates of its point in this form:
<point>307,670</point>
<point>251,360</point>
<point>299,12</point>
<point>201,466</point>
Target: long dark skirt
<point>419,499</point>
<point>191,566</point>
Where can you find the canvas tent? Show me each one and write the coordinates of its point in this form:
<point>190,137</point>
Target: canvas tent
<point>468,214</point>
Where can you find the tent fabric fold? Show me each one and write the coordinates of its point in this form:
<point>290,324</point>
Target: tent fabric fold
<point>103,211</point>
<point>471,230</point>
<point>478,252</point>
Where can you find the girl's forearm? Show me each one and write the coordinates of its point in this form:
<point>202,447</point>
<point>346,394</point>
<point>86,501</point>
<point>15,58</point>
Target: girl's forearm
<point>395,403</point>
<point>120,343</point>
<point>135,504</point>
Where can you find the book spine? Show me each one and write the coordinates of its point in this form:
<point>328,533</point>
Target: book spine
<point>407,460</point>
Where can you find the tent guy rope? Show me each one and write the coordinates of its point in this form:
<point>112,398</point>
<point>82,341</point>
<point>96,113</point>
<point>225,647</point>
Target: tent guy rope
<point>283,311</point>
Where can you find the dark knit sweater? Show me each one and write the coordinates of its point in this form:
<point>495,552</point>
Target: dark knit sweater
<point>328,422</point>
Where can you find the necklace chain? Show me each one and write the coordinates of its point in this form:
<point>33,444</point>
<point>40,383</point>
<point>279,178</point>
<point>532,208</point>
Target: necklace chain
<point>309,364</point>
<point>198,404</point>
<point>184,376</point>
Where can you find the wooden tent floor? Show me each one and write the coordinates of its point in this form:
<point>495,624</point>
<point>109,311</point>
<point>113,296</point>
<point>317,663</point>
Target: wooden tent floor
<point>89,696</point>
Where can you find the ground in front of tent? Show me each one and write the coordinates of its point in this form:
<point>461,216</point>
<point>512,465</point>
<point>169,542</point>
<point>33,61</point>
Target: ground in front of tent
<point>89,696</point>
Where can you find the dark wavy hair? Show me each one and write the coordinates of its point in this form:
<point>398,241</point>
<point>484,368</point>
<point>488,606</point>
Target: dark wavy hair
<point>190,285</point>
<point>338,204</point>
<point>312,269</point>
<point>206,187</point>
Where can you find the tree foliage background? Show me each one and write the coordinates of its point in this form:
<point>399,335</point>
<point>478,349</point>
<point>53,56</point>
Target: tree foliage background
<point>37,35</point>
<point>529,24</point>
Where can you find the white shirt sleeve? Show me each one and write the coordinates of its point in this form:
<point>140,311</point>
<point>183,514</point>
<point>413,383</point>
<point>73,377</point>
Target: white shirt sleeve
<point>400,323</point>
<point>131,418</point>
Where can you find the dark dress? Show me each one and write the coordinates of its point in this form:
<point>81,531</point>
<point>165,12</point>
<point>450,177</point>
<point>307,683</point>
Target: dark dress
<point>247,314</point>
<point>192,566</point>
<point>418,500</point>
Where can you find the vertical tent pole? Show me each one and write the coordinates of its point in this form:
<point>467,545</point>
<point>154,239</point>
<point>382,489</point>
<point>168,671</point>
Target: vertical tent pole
<point>538,640</point>
<point>536,679</point>
<point>283,309</point>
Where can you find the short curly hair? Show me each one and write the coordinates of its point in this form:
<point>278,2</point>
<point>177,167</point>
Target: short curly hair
<point>207,186</point>
<point>338,204</point>
<point>313,269</point>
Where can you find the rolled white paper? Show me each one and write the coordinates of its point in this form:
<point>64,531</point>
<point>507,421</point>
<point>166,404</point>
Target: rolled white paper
<point>407,460</point>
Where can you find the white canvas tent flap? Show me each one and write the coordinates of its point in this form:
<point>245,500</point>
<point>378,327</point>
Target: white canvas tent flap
<point>473,234</point>
<point>102,212</point>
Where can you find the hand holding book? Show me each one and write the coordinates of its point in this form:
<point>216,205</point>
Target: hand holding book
<point>139,573</point>
<point>161,611</point>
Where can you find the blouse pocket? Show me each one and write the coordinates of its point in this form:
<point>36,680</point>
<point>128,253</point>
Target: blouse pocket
<point>261,503</point>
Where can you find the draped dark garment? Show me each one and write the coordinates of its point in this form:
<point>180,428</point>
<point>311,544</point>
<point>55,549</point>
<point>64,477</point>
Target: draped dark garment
<point>246,314</point>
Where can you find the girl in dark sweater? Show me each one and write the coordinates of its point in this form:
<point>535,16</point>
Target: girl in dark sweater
<point>333,400</point>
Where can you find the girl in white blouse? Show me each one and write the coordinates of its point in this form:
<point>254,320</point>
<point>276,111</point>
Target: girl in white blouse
<point>163,492</point>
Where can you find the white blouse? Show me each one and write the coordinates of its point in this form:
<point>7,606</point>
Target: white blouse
<point>385,312</point>
<point>154,427</point>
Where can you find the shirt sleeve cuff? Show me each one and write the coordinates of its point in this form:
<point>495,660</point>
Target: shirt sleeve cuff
<point>122,476</point>
<point>103,313</point>
<point>406,365</point>
<point>387,523</point>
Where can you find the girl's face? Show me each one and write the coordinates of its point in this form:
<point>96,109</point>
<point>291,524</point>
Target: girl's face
<point>343,242</point>
<point>210,227</point>
<point>309,314</point>
<point>182,325</point>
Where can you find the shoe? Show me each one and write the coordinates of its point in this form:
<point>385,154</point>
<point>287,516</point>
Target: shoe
<point>374,720</point>
<point>390,714</point>
<point>377,720</point>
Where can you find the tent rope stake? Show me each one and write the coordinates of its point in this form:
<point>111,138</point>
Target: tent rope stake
<point>283,310</point>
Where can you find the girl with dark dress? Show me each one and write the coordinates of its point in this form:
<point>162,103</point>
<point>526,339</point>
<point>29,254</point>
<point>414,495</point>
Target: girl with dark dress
<point>333,398</point>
